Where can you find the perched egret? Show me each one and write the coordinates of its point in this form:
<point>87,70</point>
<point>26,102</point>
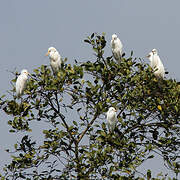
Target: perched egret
<point>156,64</point>
<point>21,82</point>
<point>116,47</point>
<point>112,118</point>
<point>55,59</point>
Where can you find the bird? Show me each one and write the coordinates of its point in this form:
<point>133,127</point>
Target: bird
<point>21,82</point>
<point>116,47</point>
<point>112,118</point>
<point>55,59</point>
<point>156,64</point>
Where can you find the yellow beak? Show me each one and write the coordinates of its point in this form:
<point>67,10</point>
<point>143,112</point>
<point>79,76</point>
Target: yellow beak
<point>47,54</point>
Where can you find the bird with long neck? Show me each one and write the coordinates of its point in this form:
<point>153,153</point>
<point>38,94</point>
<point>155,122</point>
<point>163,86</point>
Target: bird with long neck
<point>55,59</point>
<point>156,64</point>
<point>112,118</point>
<point>21,82</point>
<point>116,47</point>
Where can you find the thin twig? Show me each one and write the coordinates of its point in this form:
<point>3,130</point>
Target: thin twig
<point>87,128</point>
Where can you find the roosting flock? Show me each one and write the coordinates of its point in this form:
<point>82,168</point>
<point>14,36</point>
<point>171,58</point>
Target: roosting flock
<point>117,51</point>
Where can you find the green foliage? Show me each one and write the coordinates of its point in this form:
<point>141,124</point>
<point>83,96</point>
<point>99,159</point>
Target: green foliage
<point>78,144</point>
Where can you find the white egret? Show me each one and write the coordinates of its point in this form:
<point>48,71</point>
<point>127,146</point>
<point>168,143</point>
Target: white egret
<point>116,47</point>
<point>55,59</point>
<point>156,64</point>
<point>112,118</point>
<point>21,82</point>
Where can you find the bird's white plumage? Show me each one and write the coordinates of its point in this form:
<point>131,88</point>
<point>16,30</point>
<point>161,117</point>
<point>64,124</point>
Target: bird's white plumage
<point>55,59</point>
<point>116,47</point>
<point>21,82</point>
<point>156,64</point>
<point>112,118</point>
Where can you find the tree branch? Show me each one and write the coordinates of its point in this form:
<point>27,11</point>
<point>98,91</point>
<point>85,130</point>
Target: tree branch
<point>87,128</point>
<point>62,118</point>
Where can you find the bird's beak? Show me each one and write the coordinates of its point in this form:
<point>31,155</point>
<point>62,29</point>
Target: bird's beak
<point>47,54</point>
<point>148,55</point>
<point>115,110</point>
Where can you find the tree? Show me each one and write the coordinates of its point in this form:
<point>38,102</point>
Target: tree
<point>78,145</point>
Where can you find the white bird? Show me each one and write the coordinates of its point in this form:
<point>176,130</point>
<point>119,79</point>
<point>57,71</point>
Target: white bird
<point>116,47</point>
<point>55,59</point>
<point>21,82</point>
<point>156,64</point>
<point>112,118</point>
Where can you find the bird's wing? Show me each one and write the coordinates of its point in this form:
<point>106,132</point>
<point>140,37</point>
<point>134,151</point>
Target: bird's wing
<point>116,52</point>
<point>161,67</point>
<point>59,61</point>
<point>154,62</point>
<point>112,121</point>
<point>23,83</point>
<point>120,47</point>
<point>160,62</point>
<point>119,54</point>
<point>120,43</point>
<point>20,84</point>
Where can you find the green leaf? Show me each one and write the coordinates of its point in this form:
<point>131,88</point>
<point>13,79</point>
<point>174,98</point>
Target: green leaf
<point>87,41</point>
<point>15,146</point>
<point>92,35</point>
<point>12,131</point>
<point>75,123</point>
<point>149,174</point>
<point>150,157</point>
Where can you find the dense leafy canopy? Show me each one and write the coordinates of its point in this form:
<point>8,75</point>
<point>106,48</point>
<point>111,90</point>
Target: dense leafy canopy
<point>78,144</point>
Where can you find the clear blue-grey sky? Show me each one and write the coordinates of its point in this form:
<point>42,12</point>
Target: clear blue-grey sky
<point>28,28</point>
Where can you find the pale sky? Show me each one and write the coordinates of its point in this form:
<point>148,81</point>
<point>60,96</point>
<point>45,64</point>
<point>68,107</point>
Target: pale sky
<point>29,28</point>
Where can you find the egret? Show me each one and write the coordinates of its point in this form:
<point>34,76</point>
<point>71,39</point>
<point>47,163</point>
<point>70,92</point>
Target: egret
<point>112,118</point>
<point>21,82</point>
<point>116,47</point>
<point>55,59</point>
<point>156,64</point>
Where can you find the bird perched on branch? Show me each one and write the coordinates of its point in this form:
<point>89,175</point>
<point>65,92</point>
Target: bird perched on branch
<point>156,64</point>
<point>55,59</point>
<point>116,47</point>
<point>112,118</point>
<point>21,82</point>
